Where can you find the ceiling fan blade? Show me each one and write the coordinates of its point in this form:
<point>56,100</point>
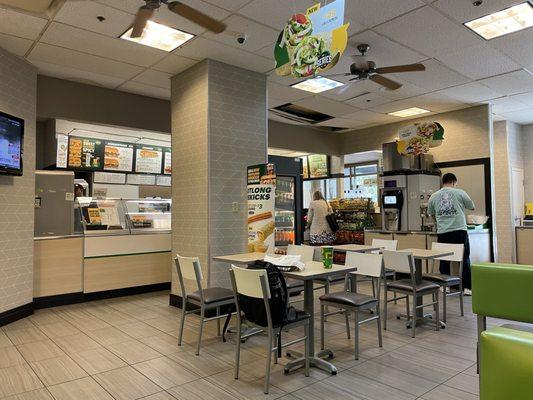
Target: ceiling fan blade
<point>401,68</point>
<point>197,17</point>
<point>336,75</point>
<point>388,83</point>
<point>142,17</point>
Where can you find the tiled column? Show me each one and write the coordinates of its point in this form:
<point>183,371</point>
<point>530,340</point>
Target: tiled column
<point>219,127</point>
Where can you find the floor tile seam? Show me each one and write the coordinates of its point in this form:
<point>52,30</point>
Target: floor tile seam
<point>126,361</point>
<point>447,354</point>
<point>449,379</point>
<point>220,385</point>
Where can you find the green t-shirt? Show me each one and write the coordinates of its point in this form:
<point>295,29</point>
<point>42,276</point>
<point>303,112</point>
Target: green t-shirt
<point>448,206</point>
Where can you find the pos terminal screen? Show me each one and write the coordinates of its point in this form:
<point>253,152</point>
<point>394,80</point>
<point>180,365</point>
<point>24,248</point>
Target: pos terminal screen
<point>391,200</point>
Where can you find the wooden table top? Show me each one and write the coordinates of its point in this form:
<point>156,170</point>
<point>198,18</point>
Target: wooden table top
<point>241,258</point>
<point>425,254</point>
<point>315,269</point>
<point>360,248</point>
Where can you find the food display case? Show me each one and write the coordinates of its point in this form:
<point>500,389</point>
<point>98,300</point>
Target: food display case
<point>102,216</point>
<point>148,215</point>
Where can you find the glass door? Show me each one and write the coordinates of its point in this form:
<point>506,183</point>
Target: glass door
<point>284,211</point>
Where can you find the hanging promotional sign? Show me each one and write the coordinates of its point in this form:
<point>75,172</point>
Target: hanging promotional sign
<point>313,42</point>
<point>261,189</point>
<point>418,138</point>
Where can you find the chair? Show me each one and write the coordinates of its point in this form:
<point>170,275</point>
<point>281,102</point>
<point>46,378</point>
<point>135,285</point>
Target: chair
<point>448,281</point>
<point>370,265</point>
<point>385,244</point>
<point>207,299</point>
<point>295,286</point>
<point>254,283</point>
<point>403,262</point>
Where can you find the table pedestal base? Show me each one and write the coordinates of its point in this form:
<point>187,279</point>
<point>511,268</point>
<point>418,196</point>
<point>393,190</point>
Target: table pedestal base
<point>314,362</point>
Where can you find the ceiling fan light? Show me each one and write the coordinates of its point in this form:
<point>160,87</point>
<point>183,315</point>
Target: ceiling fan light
<point>317,85</point>
<point>509,20</point>
<point>160,36</point>
<point>409,112</point>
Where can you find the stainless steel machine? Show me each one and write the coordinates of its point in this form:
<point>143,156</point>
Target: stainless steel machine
<point>404,200</point>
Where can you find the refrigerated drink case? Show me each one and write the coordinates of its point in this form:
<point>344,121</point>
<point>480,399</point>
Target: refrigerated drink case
<point>284,212</point>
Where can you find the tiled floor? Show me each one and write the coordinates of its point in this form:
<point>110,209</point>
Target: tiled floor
<point>126,348</point>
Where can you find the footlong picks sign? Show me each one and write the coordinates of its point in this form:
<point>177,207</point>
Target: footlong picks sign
<point>261,189</point>
<point>313,42</point>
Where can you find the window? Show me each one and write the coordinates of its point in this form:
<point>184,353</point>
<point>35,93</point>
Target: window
<point>362,175</point>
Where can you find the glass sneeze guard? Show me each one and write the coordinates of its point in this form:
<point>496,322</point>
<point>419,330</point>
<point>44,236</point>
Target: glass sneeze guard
<point>148,215</point>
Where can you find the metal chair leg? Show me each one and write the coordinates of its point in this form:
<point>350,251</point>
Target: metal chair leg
<point>274,344</point>
<point>218,321</point>
<point>407,306</point>
<point>321,327</point>
<point>461,303</point>
<point>443,303</point>
<point>413,320</point>
<point>385,309</point>
<point>238,349</point>
<point>202,313</point>
<point>437,315</point>
<point>327,288</point>
<point>356,335</point>
<point>306,349</point>
<point>268,362</point>
<point>378,321</point>
<point>347,318</point>
<point>182,324</point>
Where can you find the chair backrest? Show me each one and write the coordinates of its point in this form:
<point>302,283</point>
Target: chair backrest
<point>367,264</point>
<point>385,244</point>
<point>458,251</point>
<point>188,267</point>
<point>250,282</point>
<point>306,252</point>
<point>399,261</point>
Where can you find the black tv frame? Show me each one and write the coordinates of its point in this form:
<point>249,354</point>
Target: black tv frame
<point>12,171</point>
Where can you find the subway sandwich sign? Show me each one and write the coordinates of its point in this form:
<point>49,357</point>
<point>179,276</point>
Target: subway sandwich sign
<point>418,138</point>
<point>312,43</point>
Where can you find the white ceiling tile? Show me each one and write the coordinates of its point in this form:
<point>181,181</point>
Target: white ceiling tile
<point>479,61</point>
<point>526,98</point>
<point>166,17</point>
<point>523,117</point>
<point>200,48</point>
<point>286,93</point>
<point>396,106</point>
<point>273,102</point>
<point>464,10</point>
<point>276,13</point>
<point>506,105</point>
<point>428,32</point>
<point>339,123</point>
<point>367,116</point>
<point>406,91</point>
<point>368,101</point>
<point>84,62</point>
<point>511,83</point>
<point>371,13</point>
<point>100,45</point>
<point>15,44</point>
<point>154,78</point>
<point>470,93</point>
<point>145,90</point>
<point>33,6</point>
<point>173,64</point>
<point>326,106</point>
<point>383,51</point>
<point>231,5</point>
<point>75,74</point>
<point>20,24</point>
<point>266,51</point>
<point>517,46</point>
<point>435,77</point>
<point>82,14</point>
<point>437,102</point>
<point>257,35</point>
<point>351,90</point>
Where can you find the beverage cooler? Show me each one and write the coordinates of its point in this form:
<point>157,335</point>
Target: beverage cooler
<point>289,201</point>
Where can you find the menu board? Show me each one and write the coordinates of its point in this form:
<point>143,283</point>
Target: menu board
<point>85,153</point>
<point>109,177</point>
<point>118,156</point>
<point>162,180</point>
<point>138,179</point>
<point>62,151</point>
<point>167,165</point>
<point>148,159</point>
<point>318,166</point>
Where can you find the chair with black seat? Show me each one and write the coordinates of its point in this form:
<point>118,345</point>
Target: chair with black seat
<point>213,298</point>
<point>369,265</point>
<point>385,244</point>
<point>403,262</point>
<point>306,253</point>
<point>254,283</point>
<point>448,281</point>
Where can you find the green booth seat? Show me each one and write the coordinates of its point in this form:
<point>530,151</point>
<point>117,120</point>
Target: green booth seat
<point>506,364</point>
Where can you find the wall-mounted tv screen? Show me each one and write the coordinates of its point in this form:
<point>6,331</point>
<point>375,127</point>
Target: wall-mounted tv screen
<point>11,141</point>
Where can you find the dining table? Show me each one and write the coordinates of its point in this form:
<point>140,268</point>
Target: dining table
<point>313,270</point>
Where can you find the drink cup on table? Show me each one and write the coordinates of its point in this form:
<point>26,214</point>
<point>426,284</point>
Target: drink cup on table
<point>327,256</point>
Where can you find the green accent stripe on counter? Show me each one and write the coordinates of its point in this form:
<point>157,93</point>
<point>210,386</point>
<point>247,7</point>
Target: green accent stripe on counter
<point>130,254</point>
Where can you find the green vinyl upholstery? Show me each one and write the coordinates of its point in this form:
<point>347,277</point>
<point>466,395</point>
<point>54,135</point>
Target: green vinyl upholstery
<point>506,364</point>
<point>503,291</point>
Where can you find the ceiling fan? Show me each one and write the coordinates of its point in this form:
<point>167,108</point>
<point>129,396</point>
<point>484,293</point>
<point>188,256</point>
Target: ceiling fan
<point>147,11</point>
<point>363,69</point>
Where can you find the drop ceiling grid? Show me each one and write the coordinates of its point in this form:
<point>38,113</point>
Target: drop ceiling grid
<point>392,36</point>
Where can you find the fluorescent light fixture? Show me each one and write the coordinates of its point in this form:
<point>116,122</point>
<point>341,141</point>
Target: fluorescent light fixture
<point>317,85</point>
<point>501,23</point>
<point>409,112</point>
<point>159,36</point>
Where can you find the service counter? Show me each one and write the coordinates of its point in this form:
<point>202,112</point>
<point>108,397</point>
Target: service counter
<point>524,245</point>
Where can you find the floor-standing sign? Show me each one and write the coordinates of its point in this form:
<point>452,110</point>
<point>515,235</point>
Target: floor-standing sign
<point>261,189</point>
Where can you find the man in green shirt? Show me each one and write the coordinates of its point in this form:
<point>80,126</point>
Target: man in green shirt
<point>448,206</point>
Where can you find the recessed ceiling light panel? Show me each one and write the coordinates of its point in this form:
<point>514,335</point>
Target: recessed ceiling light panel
<point>317,85</point>
<point>501,23</point>
<point>159,36</point>
<point>409,112</point>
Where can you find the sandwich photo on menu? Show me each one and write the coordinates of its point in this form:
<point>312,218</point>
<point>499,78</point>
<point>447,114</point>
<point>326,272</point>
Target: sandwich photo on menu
<point>118,156</point>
